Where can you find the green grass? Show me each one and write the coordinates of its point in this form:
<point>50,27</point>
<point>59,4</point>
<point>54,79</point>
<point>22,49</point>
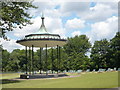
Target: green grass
<point>9,76</point>
<point>88,80</point>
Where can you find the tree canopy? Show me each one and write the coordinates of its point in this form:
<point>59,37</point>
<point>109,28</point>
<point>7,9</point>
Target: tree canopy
<point>13,15</point>
<point>76,48</point>
<point>99,52</point>
<point>115,50</point>
<point>78,44</point>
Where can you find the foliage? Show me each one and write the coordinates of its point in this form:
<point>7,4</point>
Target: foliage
<point>115,50</point>
<point>13,15</point>
<point>99,52</point>
<point>78,44</point>
<point>76,48</point>
<point>5,60</point>
<point>104,54</point>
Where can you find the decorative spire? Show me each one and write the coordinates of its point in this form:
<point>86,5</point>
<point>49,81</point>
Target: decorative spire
<point>42,20</point>
<point>42,28</point>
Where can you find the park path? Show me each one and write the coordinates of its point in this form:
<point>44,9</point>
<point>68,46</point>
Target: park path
<point>71,76</point>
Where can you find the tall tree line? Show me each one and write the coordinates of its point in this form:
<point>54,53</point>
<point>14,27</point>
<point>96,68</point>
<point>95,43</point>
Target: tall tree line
<point>104,54</point>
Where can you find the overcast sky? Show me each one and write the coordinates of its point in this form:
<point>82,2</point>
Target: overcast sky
<point>98,20</point>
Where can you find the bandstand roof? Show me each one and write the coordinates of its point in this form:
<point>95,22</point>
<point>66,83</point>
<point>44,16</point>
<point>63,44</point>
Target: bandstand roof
<point>41,38</point>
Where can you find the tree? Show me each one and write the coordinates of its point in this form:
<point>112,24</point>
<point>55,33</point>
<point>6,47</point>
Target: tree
<point>15,60</point>
<point>78,61</point>
<point>5,60</point>
<point>20,59</point>
<point>99,54</point>
<point>14,14</point>
<point>115,50</point>
<point>76,49</point>
<point>78,44</point>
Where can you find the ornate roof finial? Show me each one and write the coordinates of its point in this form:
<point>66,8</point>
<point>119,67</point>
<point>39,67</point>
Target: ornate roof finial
<point>42,17</point>
<point>42,28</point>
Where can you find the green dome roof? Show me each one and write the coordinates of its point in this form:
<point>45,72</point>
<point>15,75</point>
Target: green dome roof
<point>42,30</point>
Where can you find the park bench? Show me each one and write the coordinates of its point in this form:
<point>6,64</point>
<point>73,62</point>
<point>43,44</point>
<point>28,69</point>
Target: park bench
<point>109,69</point>
<point>79,71</point>
<point>101,70</point>
<point>114,69</point>
<point>64,71</point>
<point>118,69</point>
<point>70,71</point>
<point>93,70</point>
<point>88,70</point>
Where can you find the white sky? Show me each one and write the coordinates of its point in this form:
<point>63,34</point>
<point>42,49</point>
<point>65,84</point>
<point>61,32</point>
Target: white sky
<point>98,20</point>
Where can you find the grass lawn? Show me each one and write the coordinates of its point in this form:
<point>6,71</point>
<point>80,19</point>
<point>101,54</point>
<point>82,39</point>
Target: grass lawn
<point>9,76</point>
<point>87,80</point>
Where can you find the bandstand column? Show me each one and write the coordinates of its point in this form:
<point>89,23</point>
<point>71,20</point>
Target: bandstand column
<point>46,60</point>
<point>52,60</point>
<point>57,59</point>
<point>40,60</point>
<point>32,60</point>
<point>26,58</point>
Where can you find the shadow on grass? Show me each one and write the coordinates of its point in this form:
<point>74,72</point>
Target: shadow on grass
<point>7,81</point>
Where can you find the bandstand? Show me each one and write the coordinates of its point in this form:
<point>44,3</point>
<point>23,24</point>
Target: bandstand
<point>41,39</point>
